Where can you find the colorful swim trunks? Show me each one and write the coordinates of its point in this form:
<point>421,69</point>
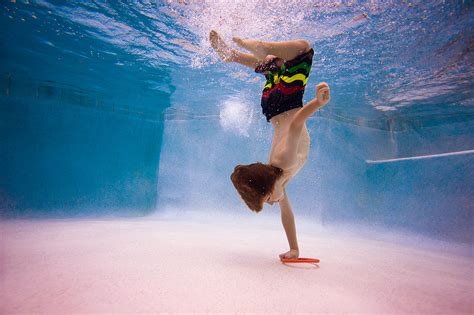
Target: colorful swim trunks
<point>285,84</point>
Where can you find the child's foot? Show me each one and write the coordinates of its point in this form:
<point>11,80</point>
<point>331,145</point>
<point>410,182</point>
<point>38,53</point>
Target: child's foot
<point>256,47</point>
<point>225,52</point>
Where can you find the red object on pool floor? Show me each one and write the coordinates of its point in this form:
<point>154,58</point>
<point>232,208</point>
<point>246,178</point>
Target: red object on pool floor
<point>300,260</point>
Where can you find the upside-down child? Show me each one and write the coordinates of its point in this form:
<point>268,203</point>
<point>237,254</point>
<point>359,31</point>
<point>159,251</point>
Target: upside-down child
<point>286,66</point>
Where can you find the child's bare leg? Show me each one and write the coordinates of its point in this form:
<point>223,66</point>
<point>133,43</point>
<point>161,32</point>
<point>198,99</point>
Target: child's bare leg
<point>248,60</point>
<point>286,49</point>
<point>228,54</point>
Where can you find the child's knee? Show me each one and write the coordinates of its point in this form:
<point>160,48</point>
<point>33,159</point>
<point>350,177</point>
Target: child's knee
<point>305,45</point>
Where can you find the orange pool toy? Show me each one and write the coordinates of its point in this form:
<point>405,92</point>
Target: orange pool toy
<point>300,260</point>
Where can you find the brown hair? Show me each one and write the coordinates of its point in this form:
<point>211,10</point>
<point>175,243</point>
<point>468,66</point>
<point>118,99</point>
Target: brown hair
<point>255,181</point>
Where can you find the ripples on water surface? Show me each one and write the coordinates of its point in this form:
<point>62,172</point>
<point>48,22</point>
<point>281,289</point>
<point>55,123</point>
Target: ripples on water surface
<point>405,60</point>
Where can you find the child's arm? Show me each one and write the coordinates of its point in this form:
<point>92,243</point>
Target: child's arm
<point>296,125</point>
<point>322,98</point>
<point>288,221</point>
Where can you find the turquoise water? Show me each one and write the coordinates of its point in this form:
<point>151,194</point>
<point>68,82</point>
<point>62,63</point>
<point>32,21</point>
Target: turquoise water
<point>121,108</point>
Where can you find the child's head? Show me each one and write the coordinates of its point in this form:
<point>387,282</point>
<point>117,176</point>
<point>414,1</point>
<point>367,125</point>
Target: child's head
<point>254,182</point>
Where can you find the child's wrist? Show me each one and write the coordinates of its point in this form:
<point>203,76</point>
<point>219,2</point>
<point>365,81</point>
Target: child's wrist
<point>317,103</point>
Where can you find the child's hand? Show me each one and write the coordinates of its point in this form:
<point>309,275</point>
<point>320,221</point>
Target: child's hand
<point>292,253</point>
<point>322,94</point>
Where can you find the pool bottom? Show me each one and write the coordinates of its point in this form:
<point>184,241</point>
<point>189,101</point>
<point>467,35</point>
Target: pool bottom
<point>184,263</point>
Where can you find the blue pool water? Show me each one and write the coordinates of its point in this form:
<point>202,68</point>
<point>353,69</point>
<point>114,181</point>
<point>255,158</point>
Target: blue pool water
<point>121,108</point>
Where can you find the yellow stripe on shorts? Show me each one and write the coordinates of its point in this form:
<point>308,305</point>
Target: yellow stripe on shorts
<point>295,77</point>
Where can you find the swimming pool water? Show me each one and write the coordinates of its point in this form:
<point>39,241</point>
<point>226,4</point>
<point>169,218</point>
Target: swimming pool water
<point>121,108</point>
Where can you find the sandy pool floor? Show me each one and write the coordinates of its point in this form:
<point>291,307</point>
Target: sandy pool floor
<point>212,264</point>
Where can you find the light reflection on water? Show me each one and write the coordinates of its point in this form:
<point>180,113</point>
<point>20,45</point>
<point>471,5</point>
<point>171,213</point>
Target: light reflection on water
<point>383,59</point>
